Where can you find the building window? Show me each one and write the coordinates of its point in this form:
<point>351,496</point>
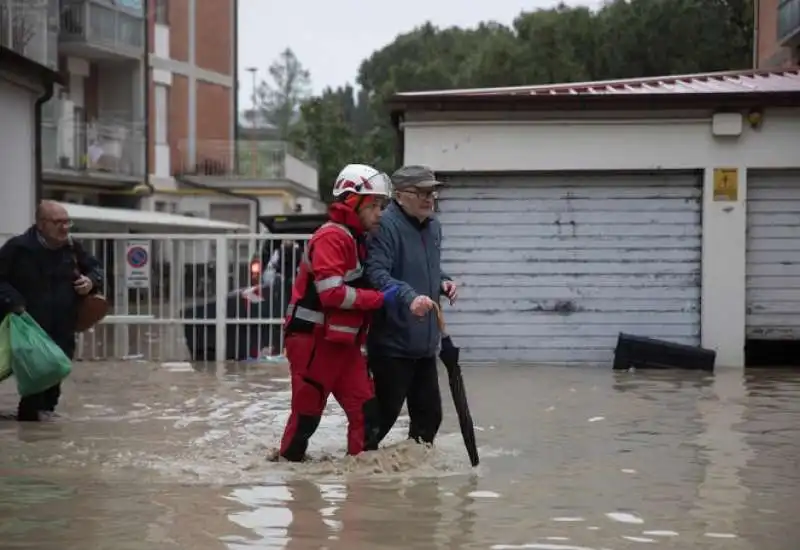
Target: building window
<point>161,114</point>
<point>162,12</point>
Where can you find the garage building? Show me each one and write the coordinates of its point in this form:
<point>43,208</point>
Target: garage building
<point>574,212</point>
<point>24,87</point>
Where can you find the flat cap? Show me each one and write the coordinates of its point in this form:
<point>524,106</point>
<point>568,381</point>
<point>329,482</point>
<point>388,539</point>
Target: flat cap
<point>414,176</point>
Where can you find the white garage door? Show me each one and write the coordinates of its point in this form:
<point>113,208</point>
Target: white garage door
<point>553,268</point>
<point>773,255</point>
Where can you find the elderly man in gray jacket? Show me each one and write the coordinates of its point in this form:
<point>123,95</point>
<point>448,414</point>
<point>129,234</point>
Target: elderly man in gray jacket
<point>403,341</point>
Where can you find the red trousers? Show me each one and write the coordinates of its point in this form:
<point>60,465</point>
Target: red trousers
<point>320,368</point>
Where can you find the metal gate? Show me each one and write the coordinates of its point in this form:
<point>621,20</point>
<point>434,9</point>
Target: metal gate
<point>773,255</point>
<point>165,308</point>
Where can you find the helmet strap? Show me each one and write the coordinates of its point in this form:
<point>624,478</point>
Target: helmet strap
<point>354,201</point>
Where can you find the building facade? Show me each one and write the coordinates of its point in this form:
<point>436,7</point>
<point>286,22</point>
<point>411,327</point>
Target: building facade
<point>93,129</point>
<point>777,34</point>
<point>199,164</point>
<point>147,115</point>
<point>27,79</point>
<point>664,208</point>
<point>192,89</point>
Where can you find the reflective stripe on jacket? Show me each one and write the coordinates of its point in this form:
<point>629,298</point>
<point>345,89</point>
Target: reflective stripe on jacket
<point>330,293</point>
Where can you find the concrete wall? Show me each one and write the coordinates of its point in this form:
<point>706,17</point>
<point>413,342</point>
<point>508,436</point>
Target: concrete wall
<point>16,158</point>
<point>200,205</point>
<point>626,142</point>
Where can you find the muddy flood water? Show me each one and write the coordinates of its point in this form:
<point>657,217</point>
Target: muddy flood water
<point>152,456</point>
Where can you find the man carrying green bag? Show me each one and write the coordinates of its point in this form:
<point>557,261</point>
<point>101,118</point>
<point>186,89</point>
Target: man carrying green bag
<point>46,275</point>
<point>30,355</point>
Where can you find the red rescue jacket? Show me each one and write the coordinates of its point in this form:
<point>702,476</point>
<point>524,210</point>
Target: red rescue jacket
<point>330,295</point>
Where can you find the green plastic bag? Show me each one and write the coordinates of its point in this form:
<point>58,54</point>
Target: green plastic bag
<point>37,362</point>
<point>5,348</point>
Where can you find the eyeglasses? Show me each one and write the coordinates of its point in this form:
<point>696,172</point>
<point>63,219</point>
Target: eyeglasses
<point>421,194</point>
<point>61,222</point>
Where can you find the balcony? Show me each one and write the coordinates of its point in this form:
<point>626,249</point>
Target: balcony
<point>102,29</point>
<point>248,164</point>
<point>109,150</point>
<point>30,28</point>
<point>789,22</point>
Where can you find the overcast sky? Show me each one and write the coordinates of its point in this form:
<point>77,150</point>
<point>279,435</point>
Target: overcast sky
<point>332,38</point>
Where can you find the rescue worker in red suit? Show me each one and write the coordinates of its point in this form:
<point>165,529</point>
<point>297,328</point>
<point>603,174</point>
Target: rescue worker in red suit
<point>329,314</point>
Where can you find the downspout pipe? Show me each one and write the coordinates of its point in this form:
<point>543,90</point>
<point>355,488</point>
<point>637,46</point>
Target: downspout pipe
<point>37,152</point>
<point>150,19</point>
<point>235,42</point>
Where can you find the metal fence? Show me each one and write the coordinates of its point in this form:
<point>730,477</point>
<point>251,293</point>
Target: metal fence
<point>171,300</point>
<point>245,159</point>
<point>109,144</point>
<point>110,25</point>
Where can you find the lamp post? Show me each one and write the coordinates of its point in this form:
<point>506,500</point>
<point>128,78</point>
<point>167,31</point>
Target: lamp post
<point>253,73</point>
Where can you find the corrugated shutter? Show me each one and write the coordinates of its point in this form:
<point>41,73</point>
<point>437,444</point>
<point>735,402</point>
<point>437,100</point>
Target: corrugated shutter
<point>773,255</point>
<point>553,268</point>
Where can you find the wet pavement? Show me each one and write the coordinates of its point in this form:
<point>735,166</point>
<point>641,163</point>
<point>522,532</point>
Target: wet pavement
<point>160,457</point>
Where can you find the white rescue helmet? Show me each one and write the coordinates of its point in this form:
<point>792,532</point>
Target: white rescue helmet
<point>361,179</point>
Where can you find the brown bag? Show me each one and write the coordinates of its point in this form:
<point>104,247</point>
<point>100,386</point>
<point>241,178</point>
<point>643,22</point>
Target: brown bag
<point>92,308</point>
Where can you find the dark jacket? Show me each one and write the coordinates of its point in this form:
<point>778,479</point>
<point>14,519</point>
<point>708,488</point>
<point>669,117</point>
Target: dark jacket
<point>41,280</point>
<point>406,252</point>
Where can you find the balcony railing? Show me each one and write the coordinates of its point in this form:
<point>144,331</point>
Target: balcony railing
<point>788,22</point>
<point>101,28</point>
<point>247,160</point>
<point>107,146</point>
<point>28,28</point>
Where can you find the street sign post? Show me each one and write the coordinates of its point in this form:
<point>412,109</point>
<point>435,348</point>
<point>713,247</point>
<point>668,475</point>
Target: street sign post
<point>137,264</point>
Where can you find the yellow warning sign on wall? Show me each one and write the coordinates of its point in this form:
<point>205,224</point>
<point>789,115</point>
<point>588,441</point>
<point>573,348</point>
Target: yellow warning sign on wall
<point>726,184</point>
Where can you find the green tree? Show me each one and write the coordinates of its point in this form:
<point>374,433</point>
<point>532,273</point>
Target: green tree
<point>556,45</point>
<point>278,100</point>
<point>330,138</point>
<point>659,37</point>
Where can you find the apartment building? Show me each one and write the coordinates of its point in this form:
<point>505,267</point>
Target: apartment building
<point>199,163</point>
<point>93,129</point>
<point>777,33</point>
<point>192,89</point>
<point>148,106</point>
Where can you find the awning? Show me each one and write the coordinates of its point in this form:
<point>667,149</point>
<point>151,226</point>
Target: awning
<point>90,219</point>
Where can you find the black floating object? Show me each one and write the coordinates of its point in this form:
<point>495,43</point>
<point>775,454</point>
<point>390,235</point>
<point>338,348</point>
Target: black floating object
<point>650,353</point>
<point>449,356</point>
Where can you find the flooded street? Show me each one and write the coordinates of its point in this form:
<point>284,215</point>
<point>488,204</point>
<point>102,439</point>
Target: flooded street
<point>158,457</point>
